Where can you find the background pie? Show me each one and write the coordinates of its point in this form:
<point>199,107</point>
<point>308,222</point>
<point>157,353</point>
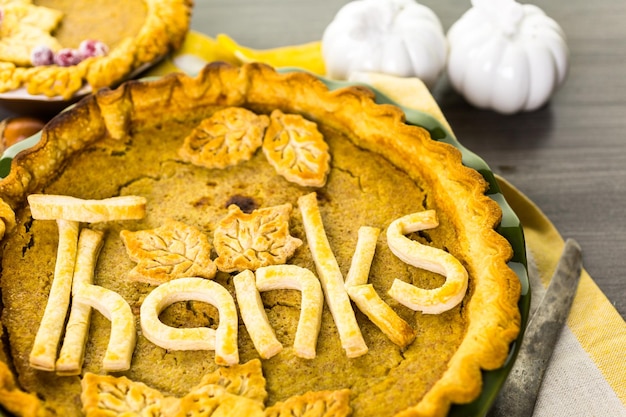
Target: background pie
<point>137,34</point>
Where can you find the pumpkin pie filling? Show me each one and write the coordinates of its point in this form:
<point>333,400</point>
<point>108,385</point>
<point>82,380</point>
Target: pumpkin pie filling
<point>103,20</point>
<point>360,189</point>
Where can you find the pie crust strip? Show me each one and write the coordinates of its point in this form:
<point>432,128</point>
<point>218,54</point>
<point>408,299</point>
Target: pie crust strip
<point>297,278</point>
<point>331,278</point>
<point>359,271</point>
<point>254,316</point>
<point>381,314</point>
<point>365,296</point>
<point>71,356</point>
<point>429,301</point>
<point>123,334</point>
<point>53,207</point>
<point>44,352</point>
<point>223,340</point>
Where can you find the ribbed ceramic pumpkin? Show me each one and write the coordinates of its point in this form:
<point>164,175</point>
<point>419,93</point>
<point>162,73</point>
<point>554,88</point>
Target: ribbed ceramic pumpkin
<point>506,56</point>
<point>395,37</point>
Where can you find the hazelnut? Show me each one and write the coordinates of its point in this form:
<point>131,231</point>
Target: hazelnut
<point>15,129</point>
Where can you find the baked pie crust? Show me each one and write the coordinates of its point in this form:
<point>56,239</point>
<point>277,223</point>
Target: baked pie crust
<point>379,171</point>
<point>145,32</point>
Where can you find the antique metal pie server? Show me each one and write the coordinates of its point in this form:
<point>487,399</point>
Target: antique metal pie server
<point>519,392</point>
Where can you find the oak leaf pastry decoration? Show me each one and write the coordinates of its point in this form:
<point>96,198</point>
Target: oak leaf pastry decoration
<point>250,241</point>
<point>237,390</point>
<point>296,149</point>
<point>174,250</point>
<point>230,136</point>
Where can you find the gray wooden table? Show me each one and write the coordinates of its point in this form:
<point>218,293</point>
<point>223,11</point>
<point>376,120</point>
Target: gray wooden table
<point>568,157</point>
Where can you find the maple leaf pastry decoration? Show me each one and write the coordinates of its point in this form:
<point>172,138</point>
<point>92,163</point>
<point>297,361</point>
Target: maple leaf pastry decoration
<point>174,250</point>
<point>250,241</point>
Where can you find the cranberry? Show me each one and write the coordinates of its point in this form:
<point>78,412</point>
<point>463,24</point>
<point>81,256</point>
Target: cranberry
<point>42,55</point>
<point>91,48</point>
<point>67,57</point>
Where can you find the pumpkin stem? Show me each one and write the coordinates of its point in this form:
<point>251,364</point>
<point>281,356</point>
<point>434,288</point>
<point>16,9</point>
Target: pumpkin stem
<point>505,14</point>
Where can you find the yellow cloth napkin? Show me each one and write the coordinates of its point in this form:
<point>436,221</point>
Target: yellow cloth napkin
<point>587,372</point>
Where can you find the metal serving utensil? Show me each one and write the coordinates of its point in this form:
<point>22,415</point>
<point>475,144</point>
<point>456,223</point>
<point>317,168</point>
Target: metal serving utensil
<point>519,392</point>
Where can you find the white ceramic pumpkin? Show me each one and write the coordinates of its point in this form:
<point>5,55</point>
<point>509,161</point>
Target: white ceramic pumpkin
<point>506,56</point>
<point>395,37</point>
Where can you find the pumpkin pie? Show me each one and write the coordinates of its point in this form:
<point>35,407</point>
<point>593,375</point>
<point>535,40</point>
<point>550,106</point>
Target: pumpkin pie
<point>55,47</point>
<point>338,262</point>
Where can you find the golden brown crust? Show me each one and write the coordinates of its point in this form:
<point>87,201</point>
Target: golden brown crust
<point>7,218</point>
<point>491,308</point>
<point>14,399</point>
<point>164,29</point>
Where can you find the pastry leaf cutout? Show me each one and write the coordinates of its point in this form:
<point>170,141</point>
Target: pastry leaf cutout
<point>236,391</point>
<point>174,250</point>
<point>105,393</point>
<point>296,149</point>
<point>250,241</point>
<point>230,136</point>
<point>313,404</point>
